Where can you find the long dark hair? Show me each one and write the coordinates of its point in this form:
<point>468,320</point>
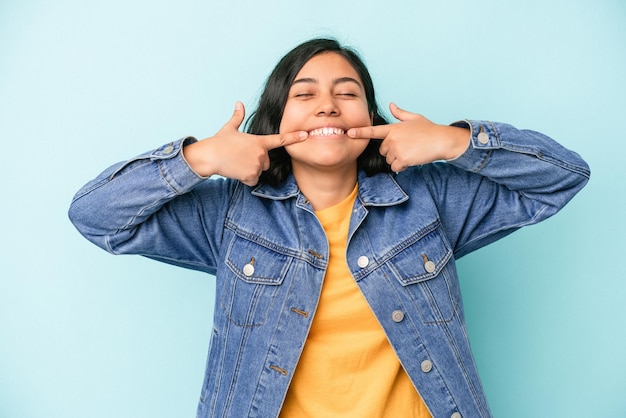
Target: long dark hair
<point>268,115</point>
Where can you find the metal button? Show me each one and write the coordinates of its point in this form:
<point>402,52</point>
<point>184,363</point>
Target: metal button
<point>427,366</point>
<point>248,269</point>
<point>397,315</point>
<point>430,266</point>
<point>483,138</point>
<point>455,415</point>
<point>168,149</point>
<point>363,261</point>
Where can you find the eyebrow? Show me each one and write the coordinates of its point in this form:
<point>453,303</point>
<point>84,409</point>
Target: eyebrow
<point>335,81</point>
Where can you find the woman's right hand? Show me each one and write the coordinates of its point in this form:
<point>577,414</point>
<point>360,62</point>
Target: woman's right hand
<point>234,154</point>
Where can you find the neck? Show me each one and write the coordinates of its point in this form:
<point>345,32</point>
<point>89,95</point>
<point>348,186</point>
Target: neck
<point>325,189</point>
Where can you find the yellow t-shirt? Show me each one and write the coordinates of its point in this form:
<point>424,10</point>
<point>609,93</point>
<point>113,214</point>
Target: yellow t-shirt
<point>347,367</point>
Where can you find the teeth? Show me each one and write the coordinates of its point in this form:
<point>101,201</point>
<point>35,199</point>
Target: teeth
<point>326,132</point>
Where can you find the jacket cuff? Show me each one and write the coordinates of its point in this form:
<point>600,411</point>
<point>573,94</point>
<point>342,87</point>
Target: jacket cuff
<point>483,139</point>
<point>174,168</point>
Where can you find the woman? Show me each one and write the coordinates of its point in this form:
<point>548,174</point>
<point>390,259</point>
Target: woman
<point>334,253</point>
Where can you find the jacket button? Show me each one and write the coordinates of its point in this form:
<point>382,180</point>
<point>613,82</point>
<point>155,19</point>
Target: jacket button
<point>483,138</point>
<point>455,415</point>
<point>427,366</point>
<point>168,149</point>
<point>248,269</point>
<point>363,261</point>
<point>430,266</point>
<point>397,316</point>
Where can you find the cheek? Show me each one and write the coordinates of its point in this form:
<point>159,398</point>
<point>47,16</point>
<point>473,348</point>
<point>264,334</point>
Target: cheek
<point>281,127</point>
<point>363,117</point>
<point>290,119</point>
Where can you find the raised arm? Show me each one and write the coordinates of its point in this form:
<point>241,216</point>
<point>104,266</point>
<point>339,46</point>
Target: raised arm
<point>163,205</point>
<point>496,178</point>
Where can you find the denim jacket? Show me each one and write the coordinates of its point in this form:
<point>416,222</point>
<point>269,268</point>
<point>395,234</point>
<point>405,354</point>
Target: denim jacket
<point>269,254</point>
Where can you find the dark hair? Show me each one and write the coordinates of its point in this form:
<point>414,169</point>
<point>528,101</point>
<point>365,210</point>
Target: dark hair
<point>268,115</point>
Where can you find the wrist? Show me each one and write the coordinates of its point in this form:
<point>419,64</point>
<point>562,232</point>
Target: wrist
<point>459,139</point>
<point>196,156</point>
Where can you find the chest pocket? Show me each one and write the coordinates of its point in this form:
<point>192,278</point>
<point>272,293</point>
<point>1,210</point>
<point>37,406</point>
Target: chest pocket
<point>255,273</point>
<point>424,270</point>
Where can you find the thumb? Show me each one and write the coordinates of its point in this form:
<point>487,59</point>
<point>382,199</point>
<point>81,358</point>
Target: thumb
<point>401,114</point>
<point>238,115</point>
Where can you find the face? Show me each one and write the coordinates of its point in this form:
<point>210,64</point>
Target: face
<point>326,99</point>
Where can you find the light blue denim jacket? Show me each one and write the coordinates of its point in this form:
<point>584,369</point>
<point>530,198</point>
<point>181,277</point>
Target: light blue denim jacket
<point>269,254</point>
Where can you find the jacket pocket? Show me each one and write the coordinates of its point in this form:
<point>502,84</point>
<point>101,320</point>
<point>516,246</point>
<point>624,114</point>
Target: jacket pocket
<point>255,273</point>
<point>424,269</point>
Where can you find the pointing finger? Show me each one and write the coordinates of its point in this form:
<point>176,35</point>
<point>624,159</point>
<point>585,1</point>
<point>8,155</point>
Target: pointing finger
<point>284,139</point>
<point>369,132</point>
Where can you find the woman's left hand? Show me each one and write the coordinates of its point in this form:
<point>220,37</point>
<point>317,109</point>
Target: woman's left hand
<point>414,140</point>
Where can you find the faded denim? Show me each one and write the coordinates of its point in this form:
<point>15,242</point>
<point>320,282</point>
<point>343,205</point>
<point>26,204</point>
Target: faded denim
<point>269,254</point>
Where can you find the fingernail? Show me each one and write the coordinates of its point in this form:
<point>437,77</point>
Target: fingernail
<point>238,106</point>
<point>350,133</point>
<point>303,134</point>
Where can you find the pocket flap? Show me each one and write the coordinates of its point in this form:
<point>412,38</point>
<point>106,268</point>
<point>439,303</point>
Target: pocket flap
<point>255,263</point>
<point>422,260</point>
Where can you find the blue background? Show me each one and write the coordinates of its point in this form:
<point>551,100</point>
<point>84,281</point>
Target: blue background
<point>85,84</point>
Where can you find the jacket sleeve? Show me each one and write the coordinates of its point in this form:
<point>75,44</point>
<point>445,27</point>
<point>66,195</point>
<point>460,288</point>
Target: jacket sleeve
<point>155,205</point>
<point>508,178</point>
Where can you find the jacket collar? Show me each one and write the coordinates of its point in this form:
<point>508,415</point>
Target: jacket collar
<point>377,190</point>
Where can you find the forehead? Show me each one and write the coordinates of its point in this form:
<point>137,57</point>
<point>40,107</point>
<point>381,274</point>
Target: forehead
<point>328,65</point>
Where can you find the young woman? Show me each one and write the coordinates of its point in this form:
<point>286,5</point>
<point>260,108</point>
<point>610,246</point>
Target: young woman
<point>333,237</point>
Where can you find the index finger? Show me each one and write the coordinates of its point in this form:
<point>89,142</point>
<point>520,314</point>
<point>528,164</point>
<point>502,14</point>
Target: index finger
<point>369,132</point>
<point>281,140</point>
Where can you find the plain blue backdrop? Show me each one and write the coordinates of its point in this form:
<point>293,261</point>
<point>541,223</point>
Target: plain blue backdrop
<point>84,84</point>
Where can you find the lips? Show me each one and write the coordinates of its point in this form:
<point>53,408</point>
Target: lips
<point>326,131</point>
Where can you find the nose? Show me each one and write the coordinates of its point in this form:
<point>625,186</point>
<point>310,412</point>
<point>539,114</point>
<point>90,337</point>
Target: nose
<point>327,106</point>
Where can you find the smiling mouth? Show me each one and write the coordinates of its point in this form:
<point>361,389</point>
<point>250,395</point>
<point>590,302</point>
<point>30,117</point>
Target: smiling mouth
<point>326,132</point>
